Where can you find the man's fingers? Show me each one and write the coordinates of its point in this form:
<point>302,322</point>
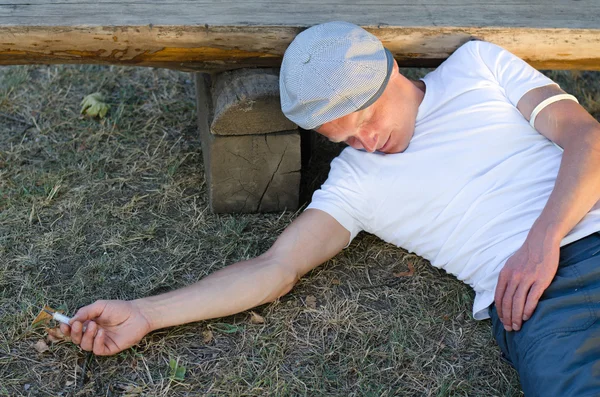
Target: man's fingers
<point>535,293</point>
<point>500,290</point>
<point>65,329</point>
<point>507,305</point>
<point>99,346</point>
<point>518,304</point>
<point>76,331</point>
<point>87,340</point>
<point>90,312</point>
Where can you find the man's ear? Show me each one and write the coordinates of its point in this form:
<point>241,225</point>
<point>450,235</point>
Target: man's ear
<point>395,71</point>
<point>395,67</point>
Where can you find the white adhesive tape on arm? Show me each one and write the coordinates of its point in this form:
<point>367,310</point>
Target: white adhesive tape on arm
<point>549,101</point>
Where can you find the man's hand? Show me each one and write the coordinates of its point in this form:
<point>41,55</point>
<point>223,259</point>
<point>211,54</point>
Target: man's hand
<point>523,280</point>
<point>110,326</point>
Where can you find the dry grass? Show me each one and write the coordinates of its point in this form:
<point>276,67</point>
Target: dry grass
<point>118,209</point>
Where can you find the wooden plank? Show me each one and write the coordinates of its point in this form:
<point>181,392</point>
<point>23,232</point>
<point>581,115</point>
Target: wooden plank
<point>219,35</point>
<point>582,14</point>
<point>199,48</point>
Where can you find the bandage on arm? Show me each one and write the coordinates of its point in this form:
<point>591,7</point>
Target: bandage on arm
<point>546,102</point>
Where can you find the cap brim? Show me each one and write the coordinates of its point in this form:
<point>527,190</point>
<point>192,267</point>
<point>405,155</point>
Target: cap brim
<point>390,67</point>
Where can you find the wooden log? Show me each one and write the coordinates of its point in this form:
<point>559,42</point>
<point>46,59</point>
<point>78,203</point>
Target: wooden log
<point>217,48</point>
<point>231,34</point>
<point>247,173</point>
<point>247,102</point>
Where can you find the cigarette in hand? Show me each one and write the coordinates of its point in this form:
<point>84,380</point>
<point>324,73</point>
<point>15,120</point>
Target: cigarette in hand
<point>61,318</point>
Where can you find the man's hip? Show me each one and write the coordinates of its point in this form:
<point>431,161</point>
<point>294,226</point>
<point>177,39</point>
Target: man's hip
<point>557,351</point>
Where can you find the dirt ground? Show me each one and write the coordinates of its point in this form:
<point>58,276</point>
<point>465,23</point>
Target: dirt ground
<point>116,208</point>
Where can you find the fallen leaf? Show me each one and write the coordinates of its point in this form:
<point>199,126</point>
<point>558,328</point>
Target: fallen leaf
<point>311,302</point>
<point>42,317</point>
<point>56,335</point>
<point>93,105</point>
<point>69,383</point>
<point>177,371</point>
<point>409,273</point>
<point>256,318</point>
<point>41,346</point>
<point>207,336</point>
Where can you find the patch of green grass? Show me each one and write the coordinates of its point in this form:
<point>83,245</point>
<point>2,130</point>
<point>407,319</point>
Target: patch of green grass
<point>118,208</point>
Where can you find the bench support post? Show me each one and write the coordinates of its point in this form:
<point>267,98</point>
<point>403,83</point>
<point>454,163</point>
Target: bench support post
<point>253,163</point>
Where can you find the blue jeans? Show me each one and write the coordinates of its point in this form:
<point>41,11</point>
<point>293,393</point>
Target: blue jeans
<point>557,351</point>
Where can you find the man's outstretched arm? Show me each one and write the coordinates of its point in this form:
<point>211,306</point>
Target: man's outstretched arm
<point>112,326</point>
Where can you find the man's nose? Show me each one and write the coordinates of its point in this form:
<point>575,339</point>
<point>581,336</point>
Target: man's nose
<point>368,142</point>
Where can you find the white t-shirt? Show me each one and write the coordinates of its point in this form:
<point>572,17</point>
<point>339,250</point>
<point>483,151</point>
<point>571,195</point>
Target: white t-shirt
<point>471,183</point>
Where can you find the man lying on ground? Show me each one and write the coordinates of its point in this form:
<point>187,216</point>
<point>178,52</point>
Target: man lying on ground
<point>465,168</point>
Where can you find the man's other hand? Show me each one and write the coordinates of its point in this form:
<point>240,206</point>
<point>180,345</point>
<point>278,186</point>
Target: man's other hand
<point>523,280</point>
<point>107,327</point>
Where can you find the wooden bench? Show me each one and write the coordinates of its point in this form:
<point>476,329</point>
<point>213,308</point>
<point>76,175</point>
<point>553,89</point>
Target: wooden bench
<point>251,152</point>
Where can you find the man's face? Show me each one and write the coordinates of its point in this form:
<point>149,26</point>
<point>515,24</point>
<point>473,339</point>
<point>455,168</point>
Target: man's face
<point>372,129</point>
<point>386,126</point>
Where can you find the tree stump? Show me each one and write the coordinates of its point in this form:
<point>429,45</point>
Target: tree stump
<point>246,102</point>
<point>251,151</point>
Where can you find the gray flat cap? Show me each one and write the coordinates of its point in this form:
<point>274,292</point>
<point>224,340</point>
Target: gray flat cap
<point>331,70</point>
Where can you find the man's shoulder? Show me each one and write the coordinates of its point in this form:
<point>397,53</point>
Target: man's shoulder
<point>359,157</point>
<point>477,45</point>
<point>355,166</point>
<point>475,48</point>
<point>473,59</point>
<point>463,58</point>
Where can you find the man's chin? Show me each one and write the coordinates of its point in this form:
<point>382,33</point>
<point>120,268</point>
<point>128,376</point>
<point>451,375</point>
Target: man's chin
<point>393,150</point>
<point>391,147</point>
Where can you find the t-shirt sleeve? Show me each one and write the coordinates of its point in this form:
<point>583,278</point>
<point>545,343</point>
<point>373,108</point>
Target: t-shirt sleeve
<point>512,73</point>
<point>342,196</point>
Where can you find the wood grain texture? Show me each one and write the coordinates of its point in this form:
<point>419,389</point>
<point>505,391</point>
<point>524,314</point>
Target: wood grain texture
<point>582,14</point>
<point>246,102</point>
<point>247,173</point>
<point>220,35</point>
